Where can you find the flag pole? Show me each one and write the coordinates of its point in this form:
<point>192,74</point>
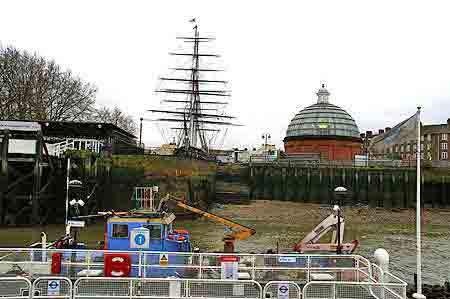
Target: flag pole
<point>419,294</point>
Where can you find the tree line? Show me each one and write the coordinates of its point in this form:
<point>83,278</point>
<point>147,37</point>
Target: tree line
<point>34,88</point>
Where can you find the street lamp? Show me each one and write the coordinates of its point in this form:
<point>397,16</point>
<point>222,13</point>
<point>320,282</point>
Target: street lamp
<point>340,193</point>
<point>140,132</point>
<point>265,137</point>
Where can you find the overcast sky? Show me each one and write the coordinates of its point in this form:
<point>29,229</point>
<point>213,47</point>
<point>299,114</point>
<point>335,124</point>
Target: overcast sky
<point>380,59</point>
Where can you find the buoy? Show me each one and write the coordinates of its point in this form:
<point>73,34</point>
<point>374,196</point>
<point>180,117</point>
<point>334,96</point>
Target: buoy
<point>382,259</point>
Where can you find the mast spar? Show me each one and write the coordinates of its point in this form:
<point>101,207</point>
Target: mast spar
<point>193,116</point>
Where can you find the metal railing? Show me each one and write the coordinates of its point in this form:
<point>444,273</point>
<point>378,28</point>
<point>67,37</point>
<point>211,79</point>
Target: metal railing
<point>299,268</point>
<point>52,287</point>
<point>165,288</point>
<point>282,290</point>
<point>15,288</point>
<point>357,290</point>
<point>175,288</point>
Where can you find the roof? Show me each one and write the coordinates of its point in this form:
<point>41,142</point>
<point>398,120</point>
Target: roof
<point>322,119</point>
<point>440,128</point>
<point>78,129</point>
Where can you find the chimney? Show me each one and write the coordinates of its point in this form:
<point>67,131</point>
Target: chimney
<point>369,134</point>
<point>387,129</point>
<point>380,131</point>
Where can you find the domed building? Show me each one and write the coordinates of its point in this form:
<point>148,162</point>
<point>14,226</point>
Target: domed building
<point>323,128</point>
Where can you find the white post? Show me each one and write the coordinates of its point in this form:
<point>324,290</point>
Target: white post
<point>67,189</point>
<point>419,294</point>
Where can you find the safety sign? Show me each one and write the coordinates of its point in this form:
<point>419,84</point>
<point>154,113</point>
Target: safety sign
<point>283,291</point>
<point>140,238</point>
<point>53,287</point>
<point>229,267</point>
<point>163,259</point>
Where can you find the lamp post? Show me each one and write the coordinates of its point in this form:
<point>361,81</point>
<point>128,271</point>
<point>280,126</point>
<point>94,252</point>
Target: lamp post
<point>265,137</point>
<point>140,132</point>
<point>340,194</point>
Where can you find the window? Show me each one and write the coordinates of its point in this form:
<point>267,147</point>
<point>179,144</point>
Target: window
<point>120,231</point>
<point>421,147</point>
<point>401,149</point>
<point>444,136</point>
<point>429,137</point>
<point>155,231</point>
<point>444,156</point>
<point>444,145</point>
<point>421,138</point>
<point>408,148</point>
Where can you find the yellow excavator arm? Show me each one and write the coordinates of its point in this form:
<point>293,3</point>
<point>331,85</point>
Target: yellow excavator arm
<point>239,231</point>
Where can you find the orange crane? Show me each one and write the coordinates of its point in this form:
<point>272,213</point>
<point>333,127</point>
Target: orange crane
<point>238,231</point>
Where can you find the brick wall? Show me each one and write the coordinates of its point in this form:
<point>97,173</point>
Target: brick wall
<point>328,149</point>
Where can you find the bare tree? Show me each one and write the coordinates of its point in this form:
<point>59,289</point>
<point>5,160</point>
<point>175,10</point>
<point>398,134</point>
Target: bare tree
<point>34,88</point>
<point>116,117</point>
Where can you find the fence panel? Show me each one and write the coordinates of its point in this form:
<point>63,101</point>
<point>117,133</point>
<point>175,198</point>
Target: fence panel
<point>102,288</point>
<point>224,289</point>
<point>52,287</point>
<point>282,290</point>
<point>15,288</point>
<point>353,290</point>
<point>171,288</point>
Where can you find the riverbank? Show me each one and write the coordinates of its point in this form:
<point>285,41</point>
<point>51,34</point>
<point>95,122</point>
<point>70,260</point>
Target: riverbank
<point>285,223</point>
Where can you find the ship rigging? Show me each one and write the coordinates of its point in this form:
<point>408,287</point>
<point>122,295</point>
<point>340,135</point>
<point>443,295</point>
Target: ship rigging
<point>198,99</point>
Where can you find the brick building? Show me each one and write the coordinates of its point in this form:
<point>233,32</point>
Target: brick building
<point>323,128</point>
<point>433,142</point>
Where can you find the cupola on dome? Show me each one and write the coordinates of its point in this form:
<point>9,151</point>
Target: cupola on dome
<point>322,119</point>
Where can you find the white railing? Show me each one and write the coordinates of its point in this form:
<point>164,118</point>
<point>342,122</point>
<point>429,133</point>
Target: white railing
<point>15,288</point>
<point>144,198</point>
<point>260,267</point>
<point>165,288</point>
<point>175,288</point>
<point>357,290</point>
<point>282,290</point>
<point>52,287</point>
<point>58,149</point>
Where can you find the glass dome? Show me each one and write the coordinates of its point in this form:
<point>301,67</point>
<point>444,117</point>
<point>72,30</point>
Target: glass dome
<point>323,119</point>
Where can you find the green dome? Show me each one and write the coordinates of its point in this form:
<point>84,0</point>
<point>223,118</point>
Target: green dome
<point>322,119</point>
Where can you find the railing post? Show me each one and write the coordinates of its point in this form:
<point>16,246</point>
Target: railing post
<point>308,266</point>
<point>187,292</point>
<point>357,269</point>
<point>334,290</point>
<point>253,267</point>
<point>200,270</point>
<point>140,264</point>
<point>131,288</point>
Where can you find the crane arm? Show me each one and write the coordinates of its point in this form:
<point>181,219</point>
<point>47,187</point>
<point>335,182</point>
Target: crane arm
<point>240,232</point>
<point>329,223</point>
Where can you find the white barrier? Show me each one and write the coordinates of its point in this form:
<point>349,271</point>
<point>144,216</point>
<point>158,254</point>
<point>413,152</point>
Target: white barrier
<point>170,288</point>
<point>258,267</point>
<point>282,290</point>
<point>15,288</point>
<point>353,290</point>
<point>52,287</point>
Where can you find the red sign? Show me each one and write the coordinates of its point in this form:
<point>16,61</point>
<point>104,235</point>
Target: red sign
<point>229,259</point>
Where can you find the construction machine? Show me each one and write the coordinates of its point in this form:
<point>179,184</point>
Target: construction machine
<point>334,222</point>
<point>237,231</point>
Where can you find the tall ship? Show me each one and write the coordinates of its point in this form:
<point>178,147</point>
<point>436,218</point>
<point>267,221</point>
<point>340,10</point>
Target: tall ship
<point>194,98</point>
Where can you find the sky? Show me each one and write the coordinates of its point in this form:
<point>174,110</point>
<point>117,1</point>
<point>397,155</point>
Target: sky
<point>379,59</point>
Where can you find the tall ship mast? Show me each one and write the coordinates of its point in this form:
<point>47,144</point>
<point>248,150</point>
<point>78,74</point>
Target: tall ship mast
<point>197,99</point>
